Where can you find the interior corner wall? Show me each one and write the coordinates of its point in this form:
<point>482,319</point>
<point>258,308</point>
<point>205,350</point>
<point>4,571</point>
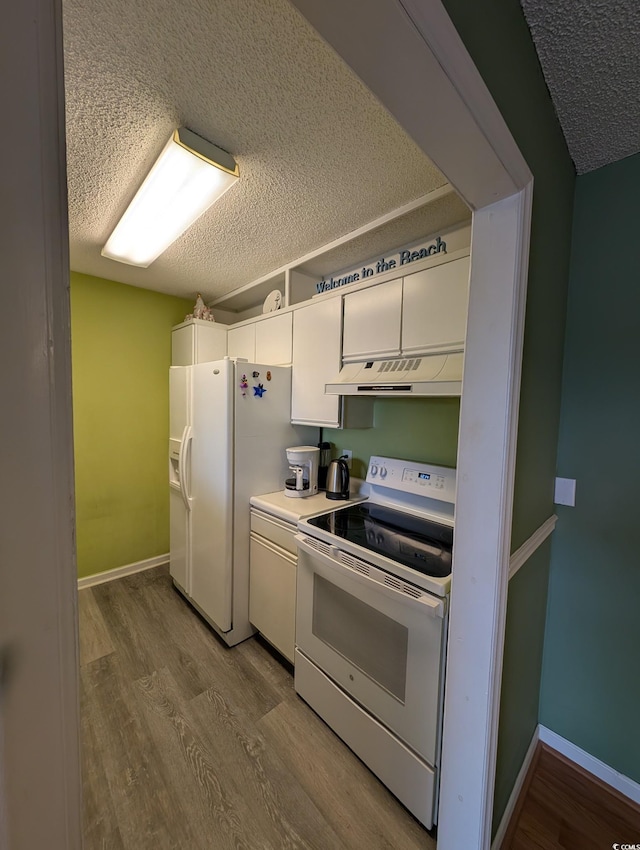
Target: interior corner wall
<point>121,353</point>
<point>590,685</point>
<point>497,37</point>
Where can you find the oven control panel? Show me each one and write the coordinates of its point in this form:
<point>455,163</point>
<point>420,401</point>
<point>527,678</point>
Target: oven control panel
<point>422,479</point>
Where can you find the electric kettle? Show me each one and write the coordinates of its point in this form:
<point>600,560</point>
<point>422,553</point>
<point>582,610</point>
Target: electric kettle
<point>338,479</point>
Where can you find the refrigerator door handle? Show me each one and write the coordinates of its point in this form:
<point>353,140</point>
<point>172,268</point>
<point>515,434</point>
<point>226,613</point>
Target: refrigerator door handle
<point>187,436</point>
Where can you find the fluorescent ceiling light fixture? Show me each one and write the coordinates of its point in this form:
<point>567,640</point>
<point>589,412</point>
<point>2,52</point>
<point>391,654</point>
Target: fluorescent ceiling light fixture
<point>188,177</point>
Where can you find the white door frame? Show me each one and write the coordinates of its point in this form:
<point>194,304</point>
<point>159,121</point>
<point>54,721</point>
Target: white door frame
<point>410,56</point>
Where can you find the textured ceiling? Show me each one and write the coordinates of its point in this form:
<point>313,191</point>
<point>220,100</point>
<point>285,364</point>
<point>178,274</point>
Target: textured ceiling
<point>590,57</point>
<point>422,222</point>
<point>318,155</point>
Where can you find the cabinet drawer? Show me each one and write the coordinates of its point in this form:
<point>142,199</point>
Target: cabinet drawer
<point>272,595</point>
<point>275,530</point>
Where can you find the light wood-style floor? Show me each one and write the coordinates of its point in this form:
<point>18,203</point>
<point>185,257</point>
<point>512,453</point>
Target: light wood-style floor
<point>563,807</point>
<point>190,744</point>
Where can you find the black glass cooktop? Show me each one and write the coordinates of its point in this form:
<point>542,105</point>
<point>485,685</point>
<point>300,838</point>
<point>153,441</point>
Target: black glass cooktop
<point>418,543</point>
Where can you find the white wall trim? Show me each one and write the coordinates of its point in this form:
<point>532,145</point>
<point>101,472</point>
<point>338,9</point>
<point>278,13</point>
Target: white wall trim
<point>618,781</point>
<point>524,552</point>
<point>611,777</point>
<point>432,21</point>
<point>119,572</point>
<point>484,504</point>
<point>515,792</point>
<point>39,706</point>
<point>397,47</point>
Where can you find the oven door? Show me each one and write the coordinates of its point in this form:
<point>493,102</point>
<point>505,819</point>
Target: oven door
<point>379,638</point>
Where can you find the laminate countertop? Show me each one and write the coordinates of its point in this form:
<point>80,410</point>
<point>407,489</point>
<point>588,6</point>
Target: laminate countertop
<point>291,509</point>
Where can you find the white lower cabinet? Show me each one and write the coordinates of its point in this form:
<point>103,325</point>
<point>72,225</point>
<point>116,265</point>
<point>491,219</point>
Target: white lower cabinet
<point>272,593</point>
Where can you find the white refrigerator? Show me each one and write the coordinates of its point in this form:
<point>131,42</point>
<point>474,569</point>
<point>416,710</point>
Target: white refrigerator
<point>227,443</point>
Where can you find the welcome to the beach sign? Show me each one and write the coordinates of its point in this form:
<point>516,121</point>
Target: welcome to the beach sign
<point>401,258</point>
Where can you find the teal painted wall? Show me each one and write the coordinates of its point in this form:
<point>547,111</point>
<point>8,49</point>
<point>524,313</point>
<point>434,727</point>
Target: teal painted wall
<point>423,429</point>
<point>497,37</point>
<point>591,674</point>
<point>524,638</point>
<point>121,353</point>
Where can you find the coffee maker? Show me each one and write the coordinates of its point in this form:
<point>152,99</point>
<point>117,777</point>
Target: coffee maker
<point>303,462</point>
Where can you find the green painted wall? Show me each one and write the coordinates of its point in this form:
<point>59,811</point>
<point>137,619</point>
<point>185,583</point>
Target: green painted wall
<point>121,350</point>
<point>423,429</point>
<point>497,37</point>
<point>591,681</point>
<point>524,638</point>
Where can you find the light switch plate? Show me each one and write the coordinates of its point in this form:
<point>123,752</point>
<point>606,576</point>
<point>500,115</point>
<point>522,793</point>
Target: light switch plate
<point>565,493</point>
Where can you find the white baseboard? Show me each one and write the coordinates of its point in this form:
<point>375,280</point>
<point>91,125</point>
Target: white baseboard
<point>628,787</point>
<point>515,793</point>
<point>127,570</point>
<point>621,783</point>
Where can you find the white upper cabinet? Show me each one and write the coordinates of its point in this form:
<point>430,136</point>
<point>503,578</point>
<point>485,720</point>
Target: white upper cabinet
<point>423,313</point>
<point>197,341</point>
<point>317,332</point>
<point>434,308</point>
<point>241,342</point>
<point>317,337</point>
<point>372,322</point>
<point>274,339</point>
<point>265,341</point>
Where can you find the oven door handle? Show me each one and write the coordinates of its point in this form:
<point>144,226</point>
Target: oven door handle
<point>430,605</point>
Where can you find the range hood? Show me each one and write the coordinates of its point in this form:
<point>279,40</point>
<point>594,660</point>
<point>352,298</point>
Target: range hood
<point>426,375</point>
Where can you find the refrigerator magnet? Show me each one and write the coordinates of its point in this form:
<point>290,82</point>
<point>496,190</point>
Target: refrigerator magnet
<point>259,391</point>
<point>243,384</point>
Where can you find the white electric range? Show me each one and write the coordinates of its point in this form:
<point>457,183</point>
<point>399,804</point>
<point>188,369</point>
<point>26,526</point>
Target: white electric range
<point>371,623</point>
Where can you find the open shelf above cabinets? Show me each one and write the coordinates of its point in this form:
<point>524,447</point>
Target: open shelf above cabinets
<point>297,282</point>
<point>248,301</point>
